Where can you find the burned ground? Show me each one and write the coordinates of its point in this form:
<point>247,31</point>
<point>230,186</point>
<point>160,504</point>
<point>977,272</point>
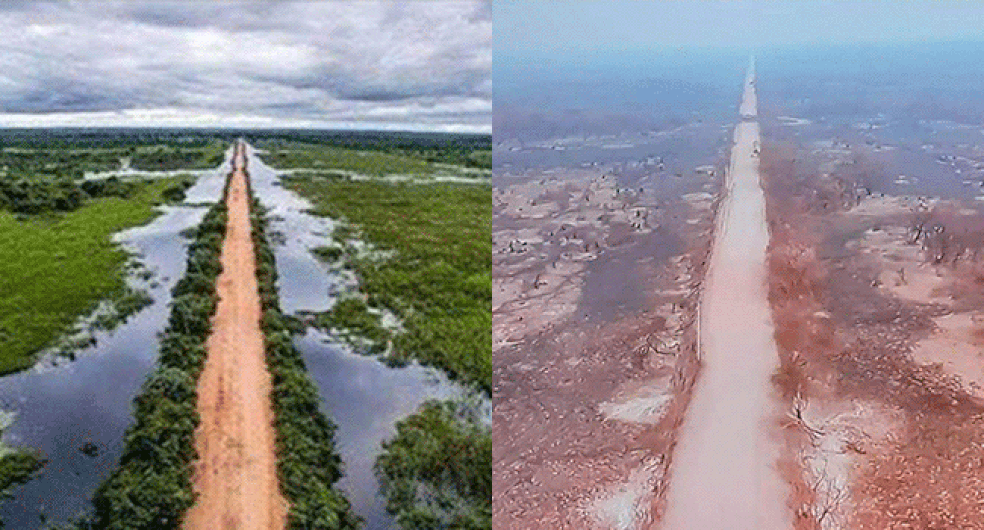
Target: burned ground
<point>876,438</point>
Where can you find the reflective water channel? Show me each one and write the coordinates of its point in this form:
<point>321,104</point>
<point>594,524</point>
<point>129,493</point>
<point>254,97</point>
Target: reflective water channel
<point>62,408</point>
<point>364,397</point>
<point>63,405</point>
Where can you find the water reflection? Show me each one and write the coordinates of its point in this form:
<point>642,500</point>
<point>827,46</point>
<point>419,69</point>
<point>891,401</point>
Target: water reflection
<point>88,400</point>
<point>364,397</point>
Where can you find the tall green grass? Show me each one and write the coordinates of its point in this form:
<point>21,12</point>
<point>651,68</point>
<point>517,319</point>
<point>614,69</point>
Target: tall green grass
<point>56,267</point>
<point>373,163</point>
<point>439,278</point>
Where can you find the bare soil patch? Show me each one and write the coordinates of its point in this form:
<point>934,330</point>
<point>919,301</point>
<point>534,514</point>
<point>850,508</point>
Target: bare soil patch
<point>586,409</point>
<point>236,474</point>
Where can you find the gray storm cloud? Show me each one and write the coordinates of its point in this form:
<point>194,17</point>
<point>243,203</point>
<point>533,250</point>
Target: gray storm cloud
<point>422,63</point>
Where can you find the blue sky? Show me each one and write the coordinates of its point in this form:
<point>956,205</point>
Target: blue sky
<point>537,27</point>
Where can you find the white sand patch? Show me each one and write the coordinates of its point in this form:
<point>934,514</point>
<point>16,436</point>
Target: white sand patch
<point>626,506</point>
<point>904,271</point>
<point>645,404</point>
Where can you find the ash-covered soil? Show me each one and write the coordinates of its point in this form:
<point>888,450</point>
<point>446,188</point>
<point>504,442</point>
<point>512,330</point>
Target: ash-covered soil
<point>594,295</point>
<point>877,302</point>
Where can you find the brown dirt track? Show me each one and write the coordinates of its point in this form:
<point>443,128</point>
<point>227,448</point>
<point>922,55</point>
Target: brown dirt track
<point>236,475</point>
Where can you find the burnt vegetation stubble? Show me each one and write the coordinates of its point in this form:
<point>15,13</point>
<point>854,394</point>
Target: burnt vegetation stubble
<point>840,339</point>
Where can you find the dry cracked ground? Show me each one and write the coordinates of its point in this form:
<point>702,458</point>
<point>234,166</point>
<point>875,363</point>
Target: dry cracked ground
<point>877,300</point>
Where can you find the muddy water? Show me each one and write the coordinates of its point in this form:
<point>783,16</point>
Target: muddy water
<point>362,396</point>
<point>59,408</point>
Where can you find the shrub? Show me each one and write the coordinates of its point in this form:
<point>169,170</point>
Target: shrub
<point>307,464</point>
<point>151,488</point>
<point>437,471</point>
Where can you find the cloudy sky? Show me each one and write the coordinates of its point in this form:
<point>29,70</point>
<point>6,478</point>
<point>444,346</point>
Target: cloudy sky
<point>360,64</point>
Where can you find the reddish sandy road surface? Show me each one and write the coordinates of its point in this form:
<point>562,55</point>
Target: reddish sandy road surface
<point>724,473</point>
<point>236,475</point>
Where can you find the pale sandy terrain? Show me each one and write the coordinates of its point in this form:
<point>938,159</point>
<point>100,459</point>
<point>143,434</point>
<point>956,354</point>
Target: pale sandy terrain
<point>236,475</point>
<point>724,469</point>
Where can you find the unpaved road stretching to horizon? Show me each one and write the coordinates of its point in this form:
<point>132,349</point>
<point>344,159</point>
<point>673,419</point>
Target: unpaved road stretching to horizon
<point>724,471</point>
<point>236,474</point>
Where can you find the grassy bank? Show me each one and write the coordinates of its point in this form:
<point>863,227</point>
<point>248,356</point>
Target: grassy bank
<point>151,488</point>
<point>434,273</point>
<point>438,279</point>
<point>38,299</point>
<point>308,466</point>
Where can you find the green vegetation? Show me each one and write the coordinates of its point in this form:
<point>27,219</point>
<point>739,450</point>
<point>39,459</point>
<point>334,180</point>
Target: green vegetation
<point>469,150</point>
<point>437,471</point>
<point>480,159</point>
<point>38,300</point>
<point>307,463</point>
<point>438,281</point>
<point>372,163</point>
<point>47,162</point>
<point>329,254</point>
<point>151,488</point>
<point>352,315</point>
<point>169,157</point>
<point>32,196</point>
<point>17,466</point>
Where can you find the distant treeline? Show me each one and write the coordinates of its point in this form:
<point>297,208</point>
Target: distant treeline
<point>38,196</point>
<point>78,138</point>
<point>434,147</point>
<point>105,138</point>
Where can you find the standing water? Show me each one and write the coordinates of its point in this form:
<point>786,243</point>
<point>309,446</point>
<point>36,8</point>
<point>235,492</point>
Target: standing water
<point>63,407</point>
<point>363,396</point>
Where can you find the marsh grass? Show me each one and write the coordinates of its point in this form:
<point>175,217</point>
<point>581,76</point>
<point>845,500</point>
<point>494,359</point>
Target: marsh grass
<point>373,163</point>
<point>438,279</point>
<point>57,267</point>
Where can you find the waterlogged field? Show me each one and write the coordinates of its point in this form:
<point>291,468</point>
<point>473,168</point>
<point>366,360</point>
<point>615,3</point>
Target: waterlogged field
<point>34,162</point>
<point>335,158</point>
<point>438,277</point>
<point>422,256</point>
<point>65,280</point>
<point>369,154</point>
<point>57,266</point>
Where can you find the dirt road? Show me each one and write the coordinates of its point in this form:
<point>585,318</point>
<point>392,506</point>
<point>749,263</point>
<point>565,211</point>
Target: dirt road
<point>724,472</point>
<point>236,475</point>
